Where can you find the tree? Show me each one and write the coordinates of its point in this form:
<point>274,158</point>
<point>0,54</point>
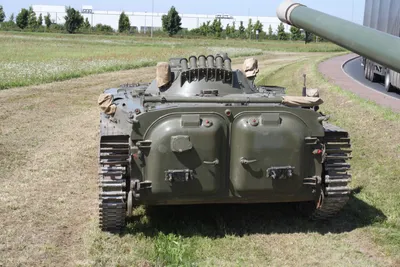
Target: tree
<point>124,25</point>
<point>258,26</point>
<point>270,32</point>
<point>22,18</point>
<point>86,24</point>
<point>73,19</point>
<point>309,37</point>
<point>11,19</point>
<point>249,29</point>
<point>216,27</point>
<point>47,20</point>
<point>171,22</point>
<point>2,14</point>
<point>32,21</point>
<point>241,29</point>
<point>205,29</point>
<point>40,20</point>
<point>281,32</point>
<point>228,30</point>
<point>296,33</point>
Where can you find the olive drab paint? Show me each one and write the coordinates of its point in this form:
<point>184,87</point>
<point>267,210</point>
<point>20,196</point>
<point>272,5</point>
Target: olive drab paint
<point>212,136</point>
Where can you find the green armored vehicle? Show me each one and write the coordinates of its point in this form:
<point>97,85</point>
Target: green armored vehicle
<point>204,133</point>
<point>201,132</point>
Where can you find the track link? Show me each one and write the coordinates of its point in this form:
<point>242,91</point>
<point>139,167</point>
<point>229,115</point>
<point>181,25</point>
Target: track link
<point>335,190</point>
<point>113,166</point>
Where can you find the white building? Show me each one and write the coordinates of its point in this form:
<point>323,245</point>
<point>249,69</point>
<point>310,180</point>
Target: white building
<point>144,20</point>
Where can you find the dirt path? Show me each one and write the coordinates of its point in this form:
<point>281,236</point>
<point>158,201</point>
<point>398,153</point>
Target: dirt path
<point>48,172</point>
<point>332,69</point>
<point>48,166</point>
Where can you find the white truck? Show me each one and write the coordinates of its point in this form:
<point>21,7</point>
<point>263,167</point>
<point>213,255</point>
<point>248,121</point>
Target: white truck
<point>382,15</point>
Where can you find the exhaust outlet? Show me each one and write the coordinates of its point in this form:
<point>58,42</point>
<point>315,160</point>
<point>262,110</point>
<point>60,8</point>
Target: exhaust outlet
<point>193,62</point>
<point>184,64</point>
<point>227,64</point>
<point>210,61</point>
<point>202,61</point>
<point>219,62</point>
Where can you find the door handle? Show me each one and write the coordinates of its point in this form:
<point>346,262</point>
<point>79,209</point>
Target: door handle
<point>247,161</point>
<point>215,162</point>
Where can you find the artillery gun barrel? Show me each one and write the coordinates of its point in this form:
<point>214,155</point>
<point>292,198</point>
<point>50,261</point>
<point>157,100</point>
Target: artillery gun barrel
<point>376,45</point>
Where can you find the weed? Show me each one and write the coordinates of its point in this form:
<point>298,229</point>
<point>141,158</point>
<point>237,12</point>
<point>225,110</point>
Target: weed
<point>172,250</point>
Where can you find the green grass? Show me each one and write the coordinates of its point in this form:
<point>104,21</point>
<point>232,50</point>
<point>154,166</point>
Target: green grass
<point>36,58</point>
<point>375,133</point>
<point>365,233</point>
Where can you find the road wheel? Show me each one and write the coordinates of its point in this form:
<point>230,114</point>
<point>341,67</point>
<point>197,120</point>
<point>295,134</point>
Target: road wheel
<point>371,71</point>
<point>374,76</point>
<point>388,86</point>
<point>366,70</point>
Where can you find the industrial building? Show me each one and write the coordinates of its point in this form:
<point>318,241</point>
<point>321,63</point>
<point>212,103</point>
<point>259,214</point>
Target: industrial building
<point>143,21</point>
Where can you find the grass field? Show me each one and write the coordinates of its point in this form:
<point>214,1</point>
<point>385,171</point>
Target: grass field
<point>48,166</point>
<point>30,58</point>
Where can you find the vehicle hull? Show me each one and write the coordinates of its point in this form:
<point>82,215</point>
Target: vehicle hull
<point>272,137</point>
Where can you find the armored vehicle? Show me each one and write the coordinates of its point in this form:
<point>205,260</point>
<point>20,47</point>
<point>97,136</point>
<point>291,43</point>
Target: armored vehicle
<point>201,132</point>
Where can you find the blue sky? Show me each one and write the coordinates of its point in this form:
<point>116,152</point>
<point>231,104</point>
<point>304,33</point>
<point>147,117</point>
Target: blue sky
<point>340,8</point>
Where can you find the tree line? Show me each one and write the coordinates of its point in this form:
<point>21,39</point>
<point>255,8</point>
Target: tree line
<point>28,20</point>
<point>171,25</point>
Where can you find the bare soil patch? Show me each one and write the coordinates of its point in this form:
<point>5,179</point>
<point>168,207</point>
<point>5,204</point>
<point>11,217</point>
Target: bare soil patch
<point>48,166</point>
<point>48,176</point>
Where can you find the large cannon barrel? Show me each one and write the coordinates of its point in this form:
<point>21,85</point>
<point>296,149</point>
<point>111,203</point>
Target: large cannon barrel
<point>375,45</point>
